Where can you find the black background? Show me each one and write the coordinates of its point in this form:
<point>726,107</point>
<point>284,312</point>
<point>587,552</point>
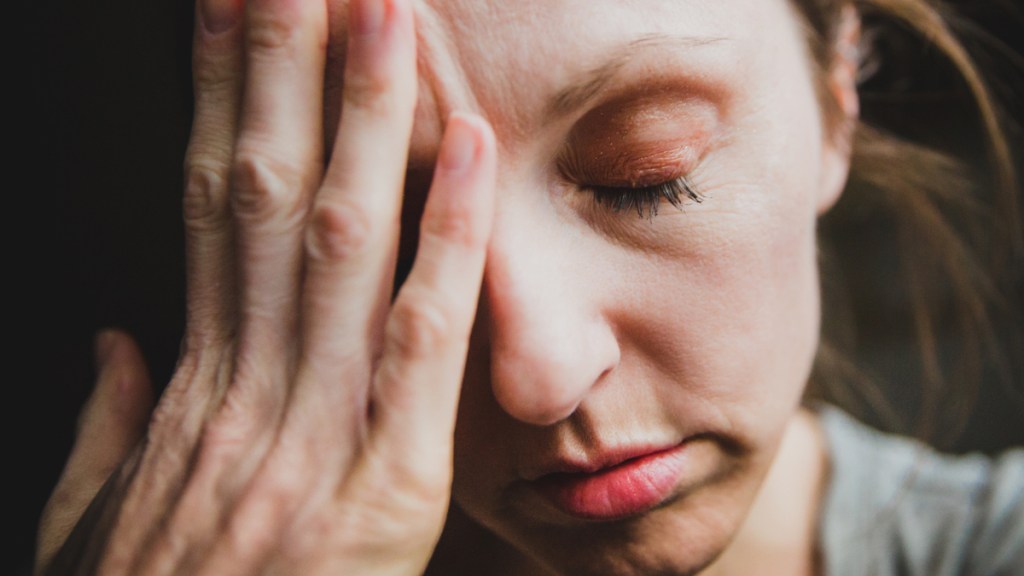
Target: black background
<point>102,134</point>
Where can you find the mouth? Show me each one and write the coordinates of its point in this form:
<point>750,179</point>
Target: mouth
<point>618,488</point>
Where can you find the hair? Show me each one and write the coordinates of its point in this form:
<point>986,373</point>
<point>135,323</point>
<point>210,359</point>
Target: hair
<point>943,223</point>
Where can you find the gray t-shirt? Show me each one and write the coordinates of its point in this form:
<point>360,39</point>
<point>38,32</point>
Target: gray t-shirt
<point>894,507</point>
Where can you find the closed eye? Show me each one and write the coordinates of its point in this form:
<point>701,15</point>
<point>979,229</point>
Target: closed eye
<point>646,200</point>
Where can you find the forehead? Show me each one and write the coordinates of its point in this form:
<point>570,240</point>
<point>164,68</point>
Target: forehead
<point>512,61</point>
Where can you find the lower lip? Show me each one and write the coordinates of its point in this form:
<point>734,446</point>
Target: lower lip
<point>628,489</point>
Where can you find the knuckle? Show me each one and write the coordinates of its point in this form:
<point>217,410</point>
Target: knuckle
<point>166,451</point>
<point>337,231</point>
<point>268,508</point>
<point>316,528</point>
<point>189,364</point>
<point>227,432</point>
<point>417,328</point>
<point>271,30</point>
<point>205,203</point>
<point>264,189</point>
<point>249,536</point>
<point>205,350</point>
<point>283,487</point>
<point>238,423</point>
<point>166,420</point>
<point>183,396</point>
<point>170,436</point>
<point>162,422</point>
<point>213,69</point>
<point>223,437</point>
<point>455,227</point>
<point>371,93</point>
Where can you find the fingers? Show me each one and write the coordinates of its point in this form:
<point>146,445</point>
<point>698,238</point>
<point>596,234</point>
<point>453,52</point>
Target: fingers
<point>354,226</point>
<point>415,393</point>
<point>263,82</point>
<point>110,426</point>
<point>217,67</point>
<point>210,282</point>
<point>222,500</point>
<point>353,231</point>
<point>427,334</point>
<point>277,165</point>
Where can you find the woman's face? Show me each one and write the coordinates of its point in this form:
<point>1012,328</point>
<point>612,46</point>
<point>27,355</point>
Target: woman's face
<point>678,342</point>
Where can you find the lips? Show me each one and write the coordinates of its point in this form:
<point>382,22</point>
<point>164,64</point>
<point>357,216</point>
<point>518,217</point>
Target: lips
<point>618,487</point>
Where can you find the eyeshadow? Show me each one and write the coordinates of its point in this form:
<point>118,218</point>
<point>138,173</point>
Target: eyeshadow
<point>639,141</point>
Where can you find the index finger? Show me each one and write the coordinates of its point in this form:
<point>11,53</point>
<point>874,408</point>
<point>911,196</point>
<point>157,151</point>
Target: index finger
<point>416,388</point>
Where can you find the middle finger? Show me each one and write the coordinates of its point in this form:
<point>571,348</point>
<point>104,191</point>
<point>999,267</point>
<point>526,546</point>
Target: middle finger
<point>276,168</point>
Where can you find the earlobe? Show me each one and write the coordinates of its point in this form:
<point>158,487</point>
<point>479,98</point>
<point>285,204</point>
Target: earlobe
<point>842,89</point>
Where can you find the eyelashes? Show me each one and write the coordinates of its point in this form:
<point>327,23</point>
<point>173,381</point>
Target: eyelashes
<point>646,200</point>
<point>611,177</point>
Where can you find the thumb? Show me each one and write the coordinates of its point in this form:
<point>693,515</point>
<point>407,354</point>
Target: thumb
<point>110,425</point>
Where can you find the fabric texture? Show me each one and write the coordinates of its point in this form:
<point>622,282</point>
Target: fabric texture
<point>895,507</point>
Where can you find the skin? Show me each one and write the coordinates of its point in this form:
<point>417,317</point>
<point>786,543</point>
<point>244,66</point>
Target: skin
<point>700,321</point>
<point>311,426</point>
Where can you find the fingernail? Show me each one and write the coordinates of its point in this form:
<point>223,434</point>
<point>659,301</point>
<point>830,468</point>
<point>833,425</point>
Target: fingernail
<point>459,145</point>
<point>220,15</point>
<point>103,345</point>
<point>367,16</point>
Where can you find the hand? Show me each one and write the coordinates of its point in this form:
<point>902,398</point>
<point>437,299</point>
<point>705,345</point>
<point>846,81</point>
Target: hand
<point>308,426</point>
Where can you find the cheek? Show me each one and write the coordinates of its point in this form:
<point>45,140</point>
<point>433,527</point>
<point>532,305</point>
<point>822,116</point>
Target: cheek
<point>753,266</point>
<point>764,294</point>
<point>736,316</point>
<point>724,306</point>
<point>731,316</point>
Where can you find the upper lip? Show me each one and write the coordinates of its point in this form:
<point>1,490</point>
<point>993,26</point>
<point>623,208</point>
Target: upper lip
<point>594,461</point>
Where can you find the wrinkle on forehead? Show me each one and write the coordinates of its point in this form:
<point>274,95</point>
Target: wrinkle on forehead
<point>463,61</point>
<point>474,58</point>
<point>442,87</point>
<point>505,59</point>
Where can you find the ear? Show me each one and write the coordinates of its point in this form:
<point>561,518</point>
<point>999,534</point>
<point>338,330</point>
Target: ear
<point>841,82</point>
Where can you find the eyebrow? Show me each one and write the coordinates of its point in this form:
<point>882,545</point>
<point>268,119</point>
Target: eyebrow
<point>581,92</point>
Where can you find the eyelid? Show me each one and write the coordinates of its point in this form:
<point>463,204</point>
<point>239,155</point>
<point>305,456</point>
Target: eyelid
<point>625,169</point>
<point>646,200</point>
<point>630,181</point>
<point>638,154</point>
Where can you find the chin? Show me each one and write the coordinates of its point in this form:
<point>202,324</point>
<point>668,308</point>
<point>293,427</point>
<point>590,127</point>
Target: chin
<point>664,542</point>
<point>682,536</point>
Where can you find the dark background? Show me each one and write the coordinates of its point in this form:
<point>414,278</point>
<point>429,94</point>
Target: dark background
<point>106,118</point>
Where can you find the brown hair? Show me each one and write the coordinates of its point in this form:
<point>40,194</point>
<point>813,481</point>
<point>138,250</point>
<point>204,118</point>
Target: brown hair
<point>948,225</point>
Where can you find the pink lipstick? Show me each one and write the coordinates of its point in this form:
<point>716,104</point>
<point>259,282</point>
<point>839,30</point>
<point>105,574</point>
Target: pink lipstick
<point>628,488</point>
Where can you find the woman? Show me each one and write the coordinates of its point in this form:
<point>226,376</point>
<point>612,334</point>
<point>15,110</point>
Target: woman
<point>631,191</point>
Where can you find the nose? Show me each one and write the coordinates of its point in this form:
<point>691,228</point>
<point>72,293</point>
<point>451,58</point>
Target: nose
<point>550,346</point>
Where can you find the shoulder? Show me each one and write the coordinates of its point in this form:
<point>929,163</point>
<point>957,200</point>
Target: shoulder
<point>894,506</point>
